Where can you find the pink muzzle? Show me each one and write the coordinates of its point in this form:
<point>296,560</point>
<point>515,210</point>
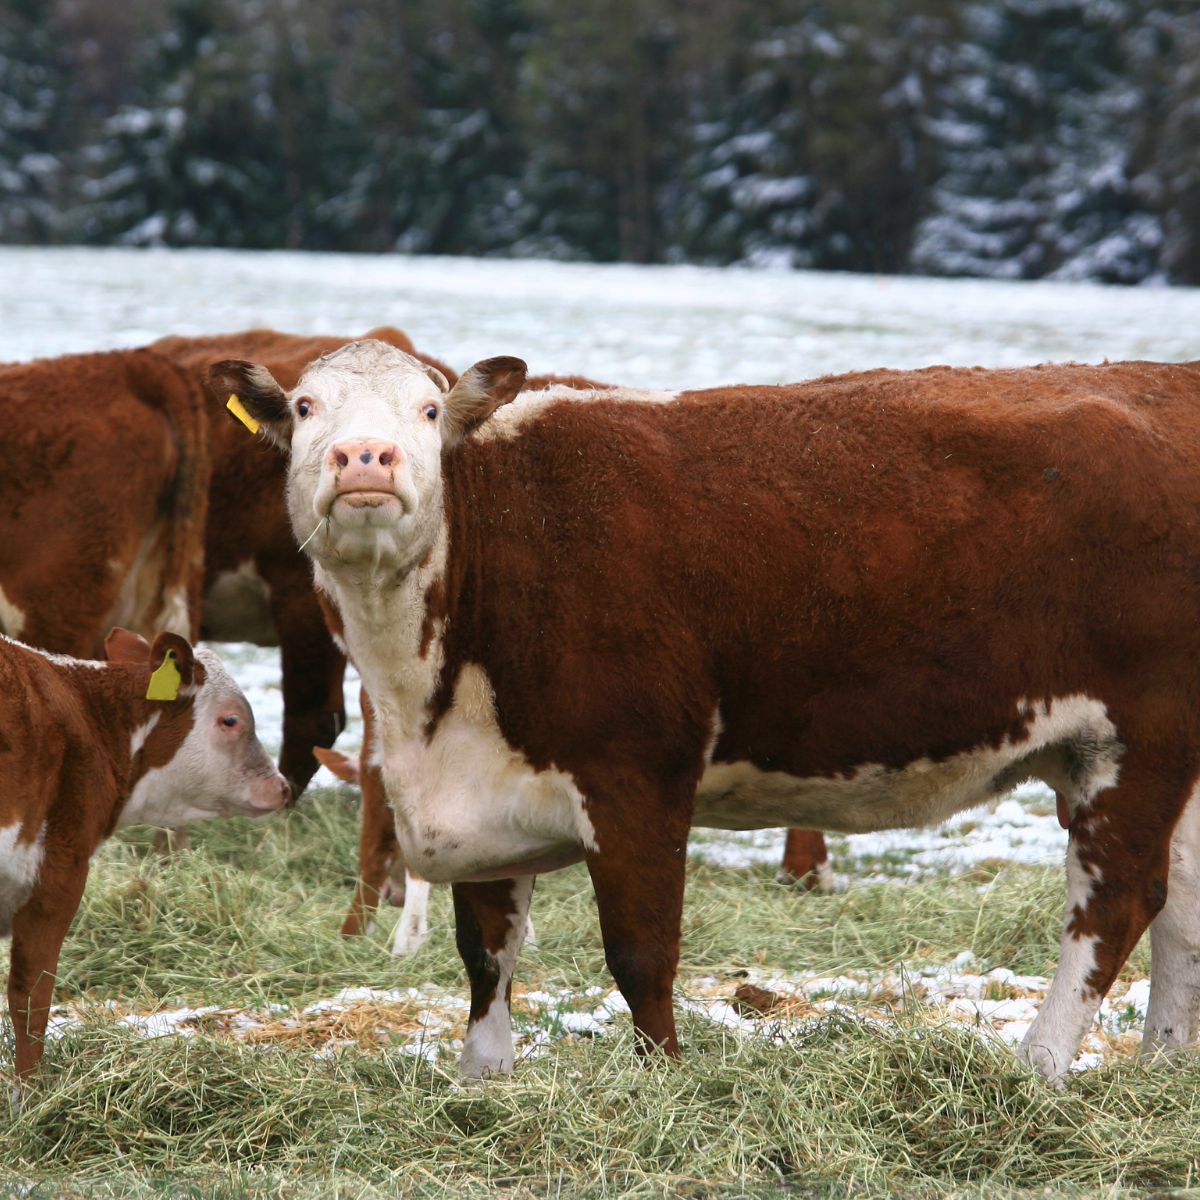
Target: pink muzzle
<point>363,466</point>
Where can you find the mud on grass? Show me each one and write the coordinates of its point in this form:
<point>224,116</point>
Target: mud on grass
<point>850,1107</point>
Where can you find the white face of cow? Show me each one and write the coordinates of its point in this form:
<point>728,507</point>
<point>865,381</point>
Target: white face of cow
<point>218,769</point>
<point>366,427</point>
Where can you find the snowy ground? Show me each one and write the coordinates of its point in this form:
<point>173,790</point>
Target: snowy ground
<point>644,326</point>
<point>997,1004</point>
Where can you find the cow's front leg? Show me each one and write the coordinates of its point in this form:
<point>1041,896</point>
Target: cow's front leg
<point>1117,864</point>
<point>38,929</point>
<point>490,922</point>
<point>638,876</point>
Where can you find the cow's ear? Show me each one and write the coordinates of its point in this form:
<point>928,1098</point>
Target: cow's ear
<point>342,765</point>
<point>125,646</point>
<point>179,651</point>
<point>478,393</point>
<point>252,396</point>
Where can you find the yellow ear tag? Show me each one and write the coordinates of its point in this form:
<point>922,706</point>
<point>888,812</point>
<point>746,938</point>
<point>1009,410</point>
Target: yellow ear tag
<point>164,683</point>
<point>236,407</point>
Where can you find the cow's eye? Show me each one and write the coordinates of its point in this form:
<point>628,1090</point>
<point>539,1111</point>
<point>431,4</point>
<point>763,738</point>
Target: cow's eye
<point>304,407</point>
<point>430,410</point>
<point>229,722</point>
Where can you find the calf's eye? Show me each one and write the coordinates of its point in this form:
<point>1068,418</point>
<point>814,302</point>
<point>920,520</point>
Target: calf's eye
<point>229,722</point>
<point>430,410</point>
<point>304,407</point>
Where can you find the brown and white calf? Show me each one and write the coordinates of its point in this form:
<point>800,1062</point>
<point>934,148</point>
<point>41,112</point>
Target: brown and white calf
<point>589,621</point>
<point>84,752</point>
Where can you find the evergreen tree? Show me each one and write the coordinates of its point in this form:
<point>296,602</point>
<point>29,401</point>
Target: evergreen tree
<point>235,142</point>
<point>33,119</point>
<point>811,151</point>
<point>1037,125</point>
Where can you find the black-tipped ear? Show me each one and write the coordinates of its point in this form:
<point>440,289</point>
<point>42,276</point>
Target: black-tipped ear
<point>479,392</point>
<point>251,395</point>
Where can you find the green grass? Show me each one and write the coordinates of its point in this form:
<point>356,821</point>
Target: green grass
<point>850,1108</point>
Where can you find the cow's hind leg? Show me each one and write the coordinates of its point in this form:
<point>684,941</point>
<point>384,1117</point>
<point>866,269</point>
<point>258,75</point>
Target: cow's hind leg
<point>806,861</point>
<point>1117,865</point>
<point>490,921</point>
<point>413,926</point>
<point>378,851</point>
<point>1174,1009</point>
<point>38,929</point>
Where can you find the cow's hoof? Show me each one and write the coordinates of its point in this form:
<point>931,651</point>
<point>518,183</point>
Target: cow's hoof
<point>820,879</point>
<point>476,1069</point>
<point>409,938</point>
<point>1043,1060</point>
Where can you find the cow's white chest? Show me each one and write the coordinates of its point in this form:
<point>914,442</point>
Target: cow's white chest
<point>20,860</point>
<point>1070,743</point>
<point>466,802</point>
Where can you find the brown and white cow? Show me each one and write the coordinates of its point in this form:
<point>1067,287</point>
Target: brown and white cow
<point>84,752</point>
<point>588,622</point>
<point>382,871</point>
<point>257,585</point>
<point>104,472</point>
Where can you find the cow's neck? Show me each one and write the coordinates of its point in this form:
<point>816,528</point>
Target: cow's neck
<point>394,643</point>
<point>112,697</point>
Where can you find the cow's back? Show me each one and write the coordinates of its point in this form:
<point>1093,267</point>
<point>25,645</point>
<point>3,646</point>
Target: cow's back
<point>871,568</point>
<point>103,486</point>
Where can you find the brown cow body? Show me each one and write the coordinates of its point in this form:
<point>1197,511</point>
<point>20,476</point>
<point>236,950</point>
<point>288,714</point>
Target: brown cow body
<point>104,472</point>
<point>85,752</point>
<point>589,621</point>
<point>257,585</point>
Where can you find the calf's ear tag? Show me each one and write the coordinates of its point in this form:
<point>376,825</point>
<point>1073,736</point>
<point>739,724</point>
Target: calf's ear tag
<point>164,683</point>
<point>236,407</point>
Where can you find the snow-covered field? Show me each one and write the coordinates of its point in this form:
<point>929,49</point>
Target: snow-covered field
<point>430,1021</point>
<point>645,326</point>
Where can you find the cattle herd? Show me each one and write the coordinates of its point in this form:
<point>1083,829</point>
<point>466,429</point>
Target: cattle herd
<point>588,618</point>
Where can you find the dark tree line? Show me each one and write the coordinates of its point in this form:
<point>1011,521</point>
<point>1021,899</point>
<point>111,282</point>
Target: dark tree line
<point>1006,138</point>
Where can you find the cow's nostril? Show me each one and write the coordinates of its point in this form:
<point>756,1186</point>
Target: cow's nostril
<point>340,458</point>
<point>365,456</point>
<point>385,458</point>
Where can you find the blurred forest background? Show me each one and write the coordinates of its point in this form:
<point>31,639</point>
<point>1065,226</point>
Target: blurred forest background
<point>1005,138</point>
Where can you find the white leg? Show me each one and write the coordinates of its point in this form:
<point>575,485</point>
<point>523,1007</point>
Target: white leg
<point>413,927</point>
<point>1070,1007</point>
<point>530,940</point>
<point>488,1048</point>
<point>1175,945</point>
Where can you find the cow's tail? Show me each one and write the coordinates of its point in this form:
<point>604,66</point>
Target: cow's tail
<point>163,386</point>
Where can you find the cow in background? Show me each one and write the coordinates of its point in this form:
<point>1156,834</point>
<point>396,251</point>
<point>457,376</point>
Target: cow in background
<point>104,475</point>
<point>257,584</point>
<point>159,734</point>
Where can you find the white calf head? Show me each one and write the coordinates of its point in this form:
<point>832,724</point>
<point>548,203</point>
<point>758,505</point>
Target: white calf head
<point>366,427</point>
<point>195,756</point>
